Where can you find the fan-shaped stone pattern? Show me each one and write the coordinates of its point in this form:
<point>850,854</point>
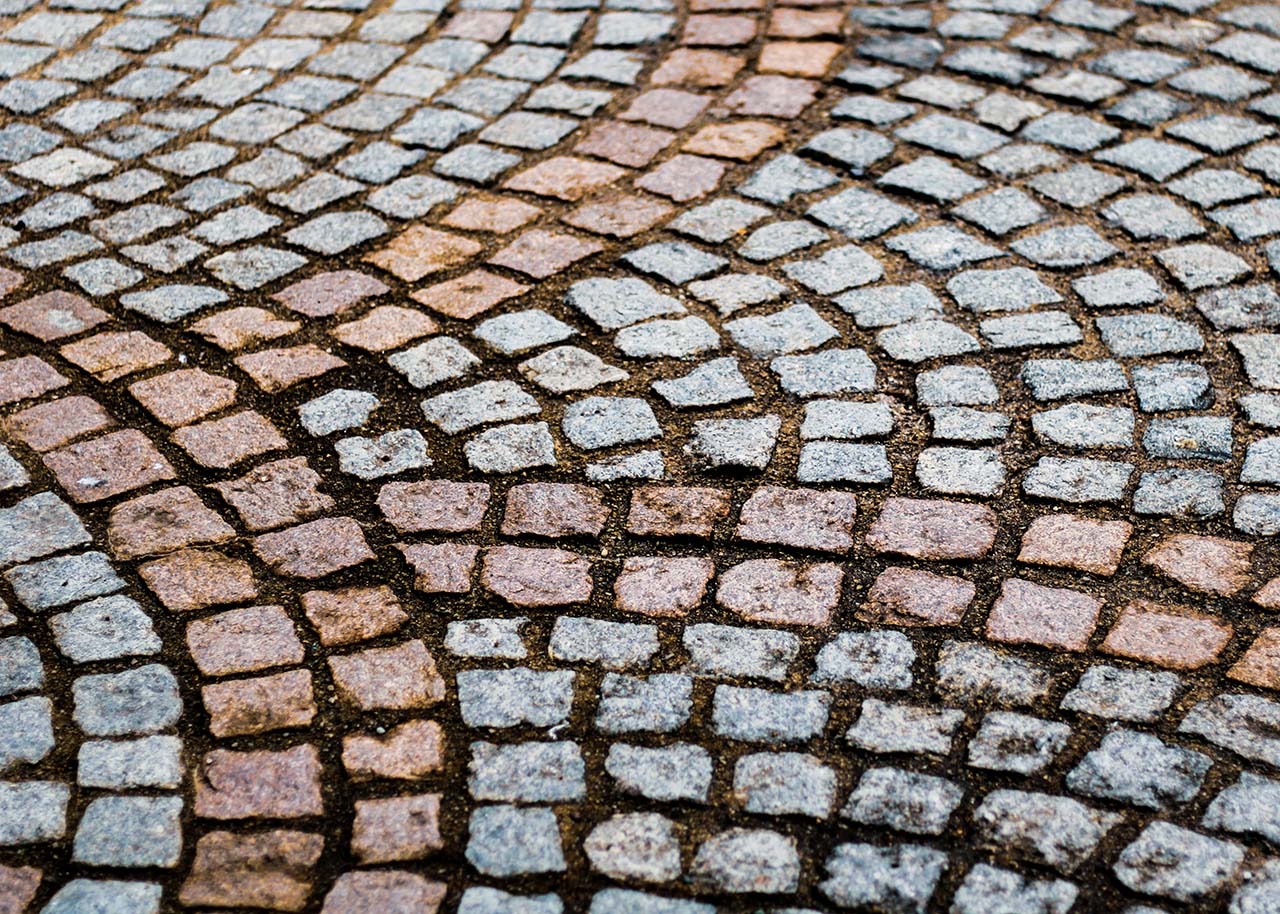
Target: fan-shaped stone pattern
<point>507,422</point>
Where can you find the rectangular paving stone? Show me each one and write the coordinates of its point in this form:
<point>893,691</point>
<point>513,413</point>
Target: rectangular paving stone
<point>1169,636</point>
<point>757,715</point>
<point>273,866</point>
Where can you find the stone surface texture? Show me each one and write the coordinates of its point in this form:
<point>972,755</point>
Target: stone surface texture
<point>639,456</point>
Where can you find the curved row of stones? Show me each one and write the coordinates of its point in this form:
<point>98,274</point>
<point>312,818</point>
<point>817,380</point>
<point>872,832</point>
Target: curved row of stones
<point>840,293</point>
<point>623,668</point>
<point>572,750</point>
<point>83,692</point>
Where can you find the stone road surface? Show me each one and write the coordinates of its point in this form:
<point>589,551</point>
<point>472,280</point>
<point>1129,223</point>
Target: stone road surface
<point>639,457</point>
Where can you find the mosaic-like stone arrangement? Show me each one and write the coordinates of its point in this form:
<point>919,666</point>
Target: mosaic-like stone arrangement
<point>639,457</point>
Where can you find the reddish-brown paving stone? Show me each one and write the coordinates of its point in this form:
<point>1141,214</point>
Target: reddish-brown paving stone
<point>197,578</point>
<point>932,529</point>
<point>908,596</point>
<point>396,828</point>
<point>1170,636</point>
<point>1260,665</point>
<point>798,58</point>
<point>435,505</point>
<point>625,144</point>
<point>9,280</point>
<point>399,677</point>
<point>46,426</point>
<point>222,443</point>
<point>353,613</point>
<point>676,511</point>
<point>536,577</point>
<point>330,293</point>
<point>1029,613</point>
<point>110,356</point>
<point>786,593</point>
<point>1082,543</point>
<point>498,215</point>
<point>262,704</point>
<point>18,885</point>
<point>385,891</point>
<point>1268,596</point>
<point>672,108</point>
<point>619,215</point>
<point>52,316</point>
<point>385,327</point>
<point>406,752</point>
<point>742,140</point>
<point>277,369</point>
<point>795,23</point>
<point>698,68</point>
<point>657,585</point>
<point>683,178</point>
<point>1207,564</point>
<point>469,295</point>
<point>554,509</point>
<point>243,640</point>
<point>803,518</point>
<point>164,522</point>
<point>565,178</point>
<point>479,25</point>
<point>540,253</point>
<point>237,328</point>
<point>314,549</point>
<point>270,784</point>
<point>420,251</point>
<point>270,869</point>
<point>773,96</point>
<point>276,493</point>
<point>719,31</point>
<point>108,466</point>
<point>441,567</point>
<point>715,6</point>
<point>181,397</point>
<point>27,377</point>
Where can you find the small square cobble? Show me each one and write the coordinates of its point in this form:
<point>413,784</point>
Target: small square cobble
<point>1054,617</point>
<point>933,529</point>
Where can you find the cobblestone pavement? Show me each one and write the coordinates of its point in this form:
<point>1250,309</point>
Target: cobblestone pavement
<point>639,457</point>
